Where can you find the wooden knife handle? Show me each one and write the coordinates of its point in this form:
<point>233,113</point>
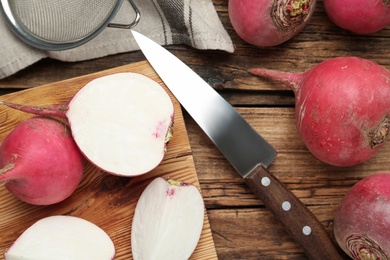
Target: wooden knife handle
<point>297,219</point>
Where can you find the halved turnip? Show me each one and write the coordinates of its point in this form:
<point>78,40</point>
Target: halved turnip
<point>121,122</point>
<point>62,238</point>
<point>168,220</point>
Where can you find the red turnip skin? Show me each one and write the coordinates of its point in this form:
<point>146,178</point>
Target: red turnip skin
<point>359,16</point>
<point>342,108</point>
<point>362,223</point>
<point>40,161</point>
<point>269,22</point>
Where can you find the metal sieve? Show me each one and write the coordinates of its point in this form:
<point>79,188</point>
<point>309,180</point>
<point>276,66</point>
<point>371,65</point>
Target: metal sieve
<point>62,24</point>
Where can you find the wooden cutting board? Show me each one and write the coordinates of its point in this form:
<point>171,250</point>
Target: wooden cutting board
<point>106,200</point>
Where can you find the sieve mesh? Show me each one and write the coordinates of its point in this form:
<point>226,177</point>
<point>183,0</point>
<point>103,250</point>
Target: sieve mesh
<point>62,20</point>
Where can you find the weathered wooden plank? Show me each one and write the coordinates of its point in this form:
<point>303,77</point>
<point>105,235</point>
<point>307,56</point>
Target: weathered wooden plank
<point>253,233</point>
<point>106,200</point>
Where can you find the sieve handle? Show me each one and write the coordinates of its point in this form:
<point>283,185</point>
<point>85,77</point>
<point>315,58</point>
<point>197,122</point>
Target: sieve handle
<point>133,23</point>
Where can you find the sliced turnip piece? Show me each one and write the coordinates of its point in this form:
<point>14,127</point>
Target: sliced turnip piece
<point>168,220</point>
<point>62,238</point>
<point>121,122</point>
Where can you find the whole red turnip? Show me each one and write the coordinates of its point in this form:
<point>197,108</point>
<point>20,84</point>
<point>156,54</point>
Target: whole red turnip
<point>342,108</point>
<point>359,16</point>
<point>41,164</point>
<point>269,22</point>
<point>362,222</point>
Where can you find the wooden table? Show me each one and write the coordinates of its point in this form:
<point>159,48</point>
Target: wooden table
<point>242,227</point>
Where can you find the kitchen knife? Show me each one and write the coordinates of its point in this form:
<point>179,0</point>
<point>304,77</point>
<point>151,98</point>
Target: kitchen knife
<point>243,147</point>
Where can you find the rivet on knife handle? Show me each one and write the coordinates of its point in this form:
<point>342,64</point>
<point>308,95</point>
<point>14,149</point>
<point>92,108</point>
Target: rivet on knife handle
<point>296,218</point>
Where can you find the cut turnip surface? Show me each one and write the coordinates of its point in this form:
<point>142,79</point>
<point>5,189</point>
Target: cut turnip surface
<point>168,220</point>
<point>121,122</point>
<point>62,238</point>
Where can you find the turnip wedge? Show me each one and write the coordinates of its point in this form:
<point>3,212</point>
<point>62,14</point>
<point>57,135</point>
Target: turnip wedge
<point>121,122</point>
<point>62,238</point>
<point>168,220</point>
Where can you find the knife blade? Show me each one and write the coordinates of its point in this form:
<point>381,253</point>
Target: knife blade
<point>248,152</point>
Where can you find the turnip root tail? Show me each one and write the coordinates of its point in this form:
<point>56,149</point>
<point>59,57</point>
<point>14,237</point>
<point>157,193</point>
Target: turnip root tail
<point>291,80</point>
<point>53,110</point>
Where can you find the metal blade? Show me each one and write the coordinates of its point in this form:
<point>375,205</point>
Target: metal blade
<point>235,138</point>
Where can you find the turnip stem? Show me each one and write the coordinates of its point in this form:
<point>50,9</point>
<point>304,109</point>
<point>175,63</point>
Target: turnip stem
<point>291,80</point>
<point>58,110</point>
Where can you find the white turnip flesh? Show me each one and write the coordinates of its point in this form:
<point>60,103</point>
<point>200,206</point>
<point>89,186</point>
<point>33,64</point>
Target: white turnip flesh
<point>359,16</point>
<point>168,220</point>
<point>62,238</point>
<point>121,122</point>
<point>342,108</point>
<point>362,223</point>
<point>267,23</point>
<point>41,164</point>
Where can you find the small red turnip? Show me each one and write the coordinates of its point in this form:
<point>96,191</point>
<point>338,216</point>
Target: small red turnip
<point>121,122</point>
<point>62,237</point>
<point>359,16</point>
<point>269,22</point>
<point>41,164</point>
<point>342,108</point>
<point>168,220</point>
<point>362,220</point>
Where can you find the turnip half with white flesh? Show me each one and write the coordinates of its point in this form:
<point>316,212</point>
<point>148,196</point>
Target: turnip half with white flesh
<point>168,220</point>
<point>62,238</point>
<point>121,122</point>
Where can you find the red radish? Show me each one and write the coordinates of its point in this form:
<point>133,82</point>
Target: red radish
<point>269,22</point>
<point>41,163</point>
<point>359,16</point>
<point>342,108</point>
<point>121,122</point>
<point>362,223</point>
<point>168,220</point>
<point>62,237</point>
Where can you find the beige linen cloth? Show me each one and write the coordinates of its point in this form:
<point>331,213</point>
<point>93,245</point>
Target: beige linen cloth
<point>191,22</point>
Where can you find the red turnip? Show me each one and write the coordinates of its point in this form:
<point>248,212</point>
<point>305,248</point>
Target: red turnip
<point>359,16</point>
<point>41,164</point>
<point>269,22</point>
<point>362,222</point>
<point>342,108</point>
<point>62,237</point>
<point>168,220</point>
<point>121,122</point>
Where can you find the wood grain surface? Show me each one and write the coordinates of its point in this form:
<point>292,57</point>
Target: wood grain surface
<point>106,200</point>
<point>241,226</point>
